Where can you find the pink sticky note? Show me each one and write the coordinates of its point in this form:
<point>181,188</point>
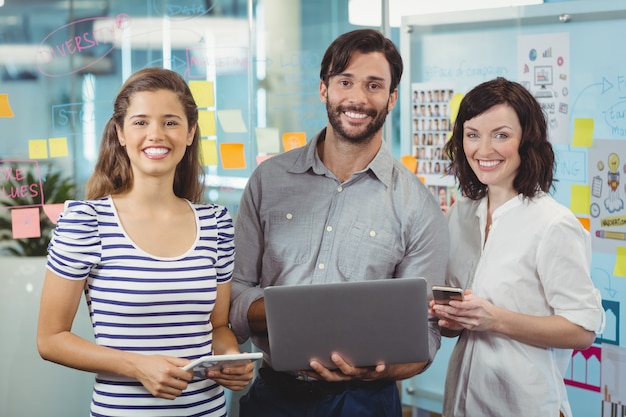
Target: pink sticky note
<point>25,223</point>
<point>53,211</point>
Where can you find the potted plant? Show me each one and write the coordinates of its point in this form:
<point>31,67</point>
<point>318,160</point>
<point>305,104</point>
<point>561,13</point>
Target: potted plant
<point>55,187</point>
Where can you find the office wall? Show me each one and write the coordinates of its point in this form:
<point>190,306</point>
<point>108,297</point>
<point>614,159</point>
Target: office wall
<point>260,57</point>
<point>563,52</point>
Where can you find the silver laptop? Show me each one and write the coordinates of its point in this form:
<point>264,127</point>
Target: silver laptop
<point>367,322</point>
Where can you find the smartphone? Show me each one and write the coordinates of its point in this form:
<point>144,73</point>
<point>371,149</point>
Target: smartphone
<point>443,295</point>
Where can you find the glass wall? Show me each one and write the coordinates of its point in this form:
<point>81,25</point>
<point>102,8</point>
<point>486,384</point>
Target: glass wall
<point>254,68</point>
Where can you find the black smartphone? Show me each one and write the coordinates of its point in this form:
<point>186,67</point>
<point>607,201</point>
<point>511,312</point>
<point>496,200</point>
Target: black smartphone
<point>443,295</point>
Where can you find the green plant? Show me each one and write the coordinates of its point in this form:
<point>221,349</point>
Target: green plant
<point>56,189</point>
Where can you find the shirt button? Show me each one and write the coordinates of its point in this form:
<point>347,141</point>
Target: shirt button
<point>339,189</point>
<point>372,233</point>
<point>321,266</point>
<point>329,228</point>
<point>289,216</point>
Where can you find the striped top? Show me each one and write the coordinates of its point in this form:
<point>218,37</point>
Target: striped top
<point>146,304</point>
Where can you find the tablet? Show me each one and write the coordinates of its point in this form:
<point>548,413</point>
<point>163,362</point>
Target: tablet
<point>367,322</point>
<point>204,363</point>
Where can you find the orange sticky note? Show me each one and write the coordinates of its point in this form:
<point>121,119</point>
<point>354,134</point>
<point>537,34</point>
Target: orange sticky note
<point>58,147</point>
<point>208,150</point>
<point>202,92</point>
<point>293,140</point>
<point>206,123</point>
<point>25,223</point>
<point>410,162</point>
<point>53,211</point>
<point>585,222</point>
<point>38,149</point>
<point>232,156</point>
<point>5,107</point>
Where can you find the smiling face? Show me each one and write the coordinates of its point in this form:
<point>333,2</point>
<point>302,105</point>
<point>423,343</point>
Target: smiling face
<point>155,133</point>
<point>491,143</point>
<point>358,99</point>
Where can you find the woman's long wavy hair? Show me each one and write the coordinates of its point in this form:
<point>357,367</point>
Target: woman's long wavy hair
<point>113,174</point>
<point>536,170</point>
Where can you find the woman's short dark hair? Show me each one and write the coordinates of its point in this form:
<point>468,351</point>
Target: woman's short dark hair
<point>338,54</point>
<point>537,165</point>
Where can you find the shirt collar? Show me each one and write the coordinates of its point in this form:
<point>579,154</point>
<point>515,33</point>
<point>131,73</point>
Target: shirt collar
<point>381,166</point>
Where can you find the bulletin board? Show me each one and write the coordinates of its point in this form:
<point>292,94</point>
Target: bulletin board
<point>567,55</point>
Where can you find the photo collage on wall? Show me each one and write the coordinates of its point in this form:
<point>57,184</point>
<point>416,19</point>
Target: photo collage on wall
<point>430,129</point>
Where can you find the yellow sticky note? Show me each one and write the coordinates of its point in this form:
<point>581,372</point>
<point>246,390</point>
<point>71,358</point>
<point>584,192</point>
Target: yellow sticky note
<point>5,107</point>
<point>581,199</point>
<point>208,150</point>
<point>25,223</point>
<point>583,132</point>
<point>620,262</point>
<point>206,123</point>
<point>454,104</point>
<point>267,140</point>
<point>58,147</point>
<point>232,121</point>
<point>232,156</point>
<point>293,140</point>
<point>202,92</point>
<point>410,162</point>
<point>38,149</point>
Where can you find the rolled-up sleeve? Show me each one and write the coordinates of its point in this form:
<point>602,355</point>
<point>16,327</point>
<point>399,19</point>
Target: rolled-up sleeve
<point>246,275</point>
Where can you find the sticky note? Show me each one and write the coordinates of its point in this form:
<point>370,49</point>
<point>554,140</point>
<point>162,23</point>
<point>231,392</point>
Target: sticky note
<point>232,156</point>
<point>293,140</point>
<point>5,107</point>
<point>25,223</point>
<point>208,151</point>
<point>267,140</point>
<point>202,92</point>
<point>53,211</point>
<point>261,158</point>
<point>38,149</point>
<point>620,262</point>
<point>581,199</point>
<point>585,222</point>
<point>58,147</point>
<point>232,121</point>
<point>583,132</point>
<point>455,103</point>
<point>410,162</point>
<point>206,123</point>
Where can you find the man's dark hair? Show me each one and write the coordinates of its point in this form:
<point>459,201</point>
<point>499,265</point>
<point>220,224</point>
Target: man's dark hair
<point>338,54</point>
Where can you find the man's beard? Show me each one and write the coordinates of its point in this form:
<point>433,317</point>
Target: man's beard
<point>365,135</point>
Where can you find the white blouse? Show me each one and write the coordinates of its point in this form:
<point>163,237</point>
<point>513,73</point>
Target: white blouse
<point>536,261</point>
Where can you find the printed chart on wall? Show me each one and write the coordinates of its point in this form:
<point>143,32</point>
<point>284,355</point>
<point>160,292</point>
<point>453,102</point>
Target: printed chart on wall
<point>607,169</point>
<point>544,70</point>
<point>430,130</point>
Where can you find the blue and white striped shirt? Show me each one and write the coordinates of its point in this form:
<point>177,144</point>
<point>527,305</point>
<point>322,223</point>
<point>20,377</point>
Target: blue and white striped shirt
<point>146,304</point>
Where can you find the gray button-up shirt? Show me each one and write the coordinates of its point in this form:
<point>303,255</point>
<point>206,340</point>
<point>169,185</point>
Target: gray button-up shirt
<point>297,224</point>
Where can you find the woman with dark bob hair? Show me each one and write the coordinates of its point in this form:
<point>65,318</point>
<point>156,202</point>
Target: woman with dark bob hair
<point>522,259</point>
